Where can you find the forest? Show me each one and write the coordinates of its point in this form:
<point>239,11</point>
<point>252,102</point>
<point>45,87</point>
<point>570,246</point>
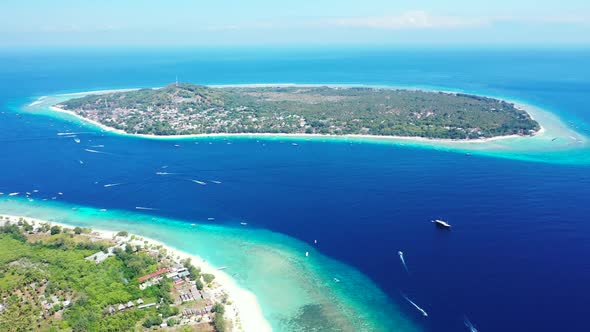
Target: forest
<point>187,109</point>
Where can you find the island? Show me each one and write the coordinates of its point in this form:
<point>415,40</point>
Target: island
<point>59,278</point>
<point>188,109</point>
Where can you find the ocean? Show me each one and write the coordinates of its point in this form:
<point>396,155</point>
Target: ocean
<point>516,259</point>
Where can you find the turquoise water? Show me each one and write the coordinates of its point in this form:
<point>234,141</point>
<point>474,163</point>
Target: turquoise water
<point>507,202</point>
<point>296,293</point>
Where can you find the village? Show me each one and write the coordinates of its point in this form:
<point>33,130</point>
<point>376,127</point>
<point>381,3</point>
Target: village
<point>174,295</point>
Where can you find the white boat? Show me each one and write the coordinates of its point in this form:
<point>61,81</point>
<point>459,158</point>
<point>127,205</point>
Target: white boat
<point>441,223</point>
<point>336,280</point>
<point>210,219</point>
<point>200,182</point>
<point>76,139</point>
<point>13,194</point>
<point>244,223</point>
<point>307,254</point>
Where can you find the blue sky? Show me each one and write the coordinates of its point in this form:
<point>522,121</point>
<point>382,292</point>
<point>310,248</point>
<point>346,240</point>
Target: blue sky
<point>264,22</point>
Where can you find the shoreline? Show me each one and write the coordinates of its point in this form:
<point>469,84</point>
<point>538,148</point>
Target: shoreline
<point>106,128</point>
<point>290,135</point>
<point>247,308</point>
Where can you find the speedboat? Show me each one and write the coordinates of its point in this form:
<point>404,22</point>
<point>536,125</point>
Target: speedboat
<point>441,224</point>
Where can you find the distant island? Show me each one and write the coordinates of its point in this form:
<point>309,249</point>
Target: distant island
<point>188,109</point>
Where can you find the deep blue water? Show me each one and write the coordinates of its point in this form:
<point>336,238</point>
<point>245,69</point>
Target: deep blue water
<point>517,259</point>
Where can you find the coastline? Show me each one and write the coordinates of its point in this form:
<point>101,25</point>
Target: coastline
<point>554,142</point>
<point>292,135</point>
<point>298,135</point>
<point>259,261</point>
<point>246,307</point>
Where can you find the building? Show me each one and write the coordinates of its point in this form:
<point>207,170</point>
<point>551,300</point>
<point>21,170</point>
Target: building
<point>146,305</point>
<point>152,275</point>
<point>111,310</point>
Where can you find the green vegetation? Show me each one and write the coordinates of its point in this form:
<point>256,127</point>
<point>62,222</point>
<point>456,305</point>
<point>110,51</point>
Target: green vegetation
<point>219,320</point>
<point>192,109</point>
<point>55,230</point>
<point>208,277</point>
<point>48,285</point>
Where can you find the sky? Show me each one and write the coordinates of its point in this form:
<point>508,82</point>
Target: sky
<point>59,23</point>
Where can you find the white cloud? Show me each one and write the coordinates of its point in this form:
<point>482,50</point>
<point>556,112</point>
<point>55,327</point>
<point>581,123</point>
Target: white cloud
<point>408,20</point>
<point>411,20</point>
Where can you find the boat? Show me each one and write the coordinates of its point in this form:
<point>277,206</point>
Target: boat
<point>222,268</point>
<point>244,223</point>
<point>307,254</point>
<point>210,219</point>
<point>13,194</point>
<point>441,224</point>
<point>200,182</point>
<point>336,280</point>
<point>76,139</point>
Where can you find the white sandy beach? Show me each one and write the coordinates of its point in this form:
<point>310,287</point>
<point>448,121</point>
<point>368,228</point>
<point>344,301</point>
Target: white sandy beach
<point>287,135</point>
<point>246,305</point>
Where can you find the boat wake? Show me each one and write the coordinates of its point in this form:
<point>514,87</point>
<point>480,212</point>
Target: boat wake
<point>424,313</point>
<point>469,325</point>
<point>94,151</point>
<point>200,182</point>
<point>401,258</point>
